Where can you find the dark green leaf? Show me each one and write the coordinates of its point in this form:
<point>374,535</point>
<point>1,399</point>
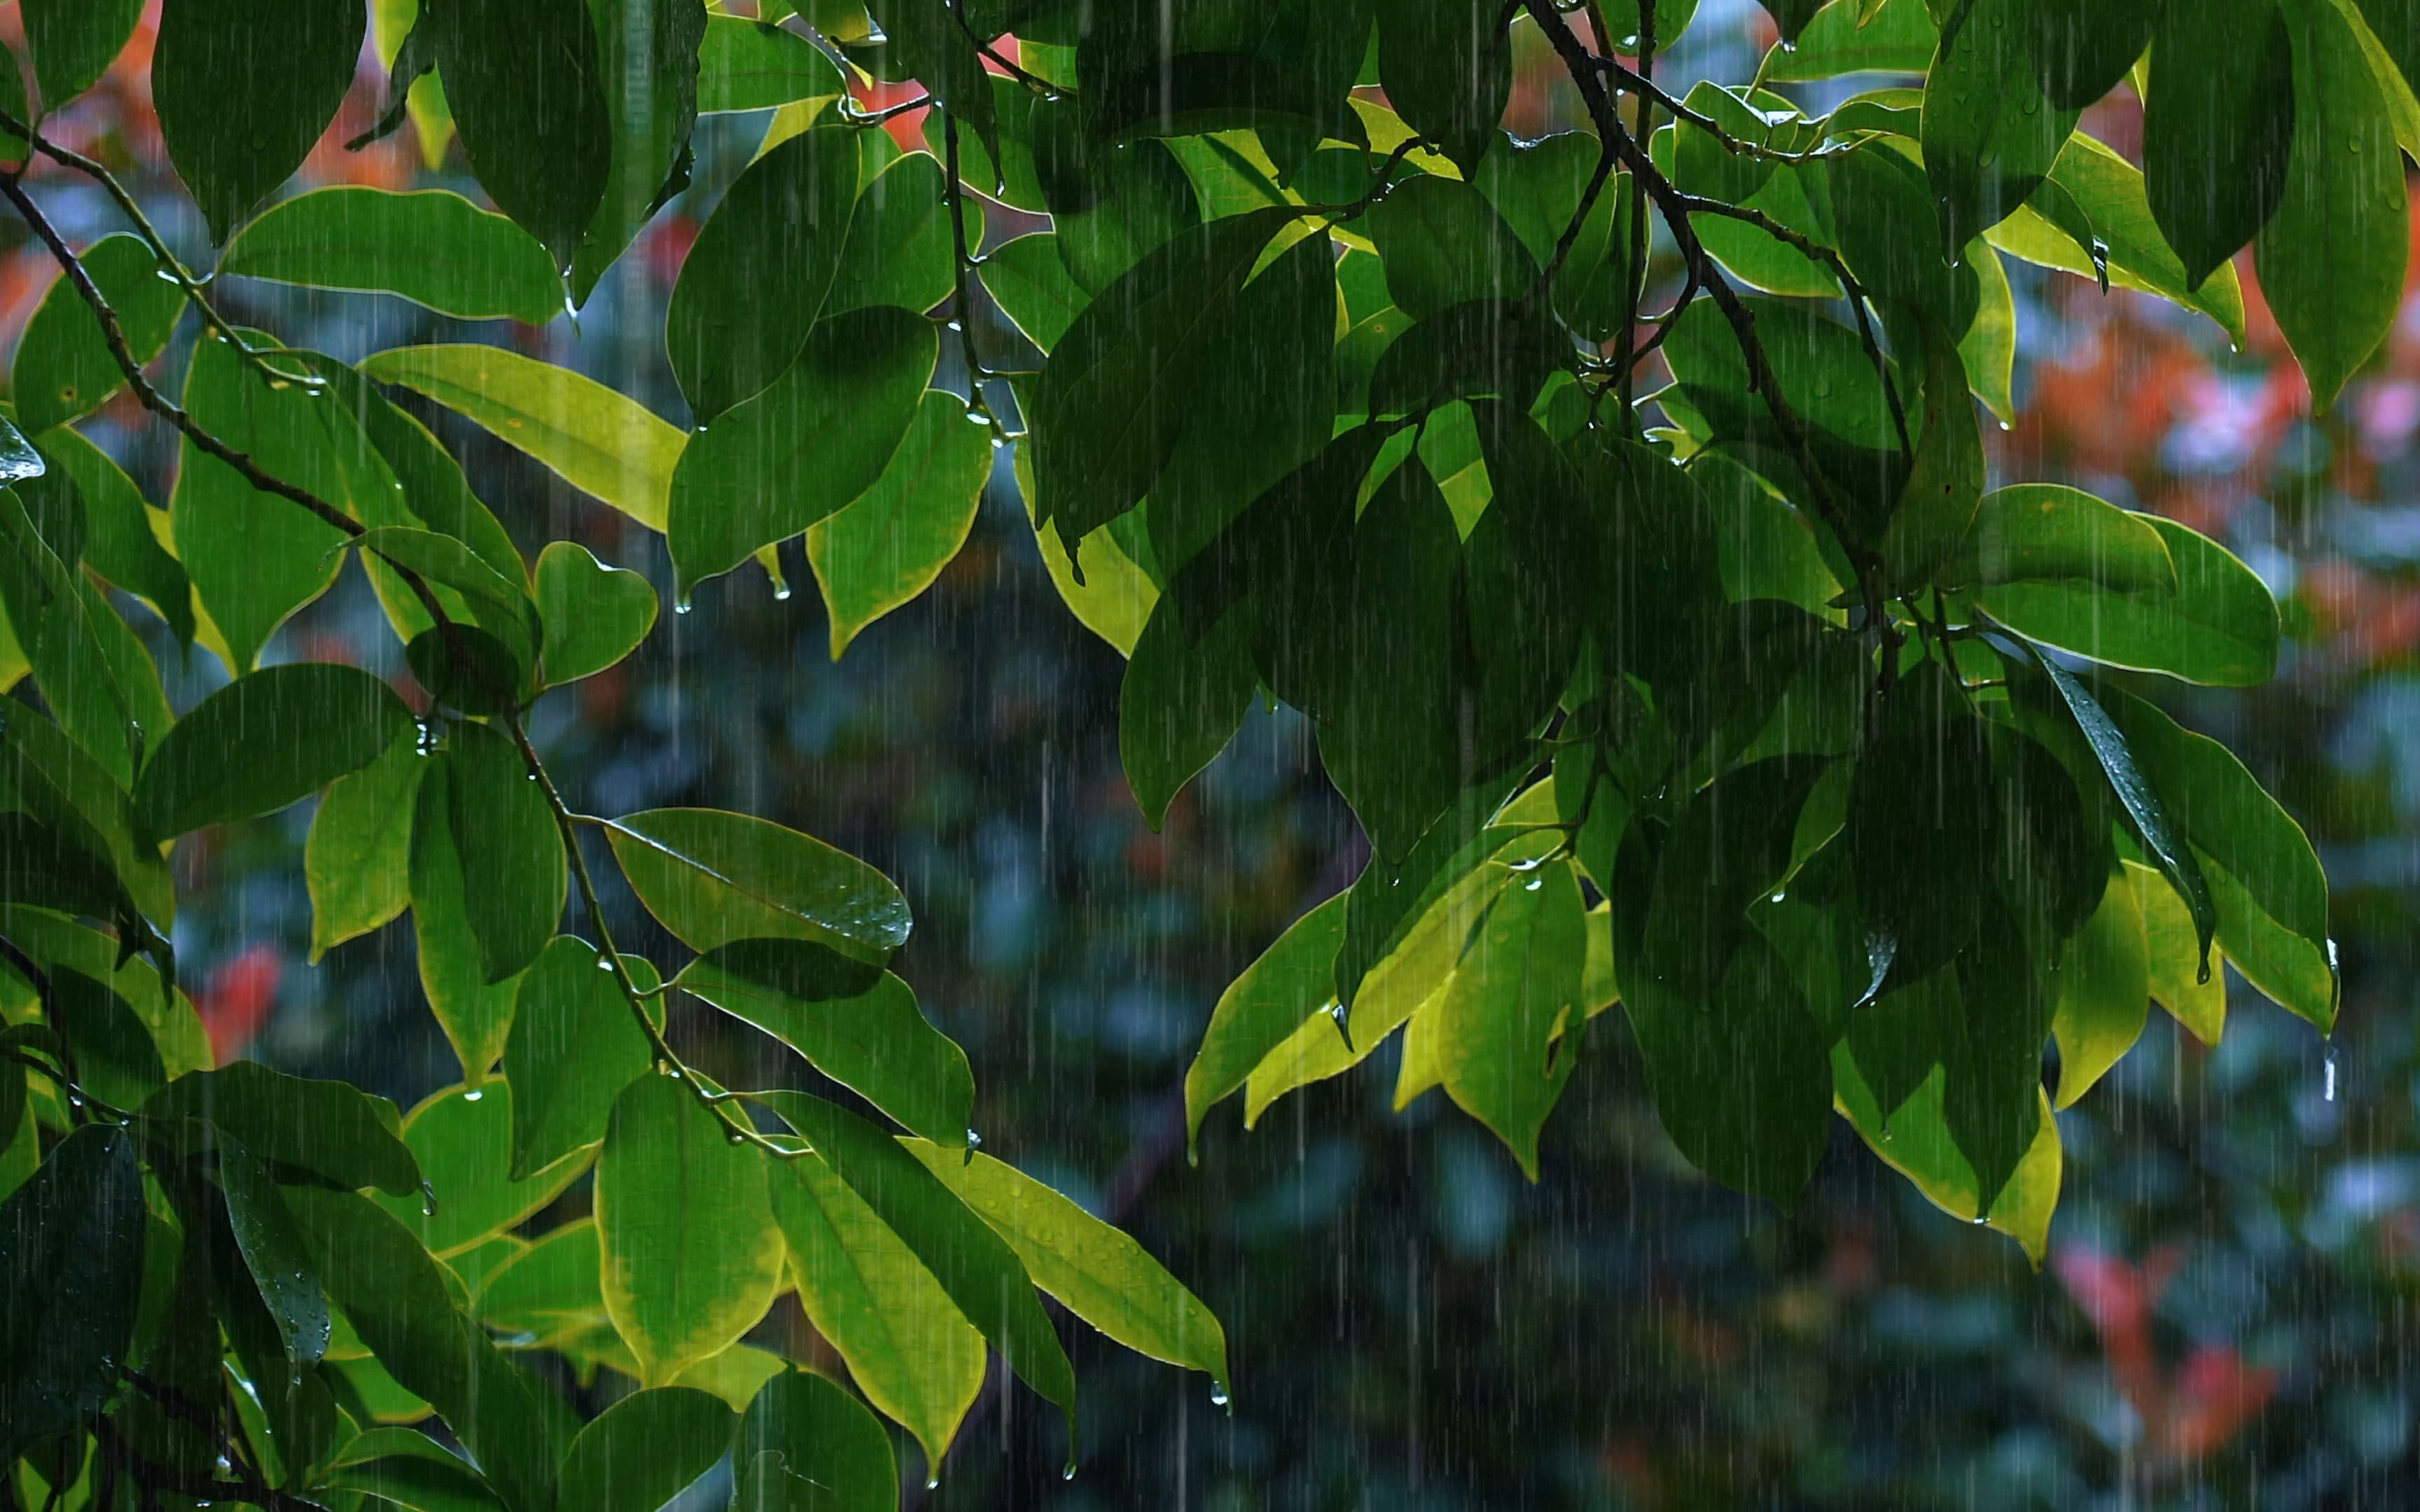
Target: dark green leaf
<point>647,64</point>
<point>729,335</point>
<point>64,367</point>
<point>1791,17</point>
<point>244,87</point>
<point>641,1452</point>
<point>572,1049</point>
<point>1988,138</point>
<point>872,1038</point>
<point>60,627</point>
<point>900,250</point>
<point>2083,48</point>
<point>692,1255</point>
<point>1447,70</point>
<point>510,851</point>
<point>70,1254</point>
<point>432,247</point>
<point>1889,235</point>
<point>2219,625</point>
<point>747,64</point>
<point>331,1129</point>
<point>112,1049</point>
<point>1030,281</point>
<point>1181,704</point>
<point>475,1013</point>
<point>712,877</point>
<point>2219,127</point>
<point>120,543</point>
<point>1445,245</point>
<point>806,1445</point>
<point>409,1469</point>
<point>64,788</point>
<point>266,741</point>
<point>595,615</point>
<point>894,539</point>
<point>1846,37</point>
<point>1923,828</point>
<point>1937,507</point>
<point>2045,533</point>
<point>358,859</point>
<point>2332,260</point>
<point>525,81</point>
<point>274,1253</point>
<point>800,452</point>
<point>463,1140</point>
<point>74,42</point>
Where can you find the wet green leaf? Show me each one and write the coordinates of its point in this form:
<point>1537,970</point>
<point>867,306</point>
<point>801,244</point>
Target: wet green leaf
<point>431,247</point>
<point>75,41</point>
<point>64,367</point>
<point>243,89</point>
<point>713,877</point>
<point>749,65</point>
<point>274,1253</point>
<point>643,1450</point>
<point>462,1137</point>
<point>572,1048</point>
<point>120,543</point>
<point>526,86</point>
<point>2218,128</point>
<point>2032,533</point>
<point>806,1445</point>
<point>2219,625</point>
<point>595,614</point>
<point>358,859</point>
<point>329,1128</point>
<point>71,1248</point>
<point>266,741</point>
<point>892,541</point>
<point>647,65</point>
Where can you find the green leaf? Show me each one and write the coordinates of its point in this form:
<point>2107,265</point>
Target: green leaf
<point>928,42</point>
<point>1181,704</point>
<point>692,1257</point>
<point>1840,39</point>
<point>1988,136</point>
<point>643,1450</point>
<point>358,859</point>
<point>395,1296</point>
<point>872,1040</point>
<point>2332,260</point>
<point>979,1271</point>
<point>647,63</point>
<point>2083,48</point>
<point>462,1137</point>
<point>806,1445</point>
<point>2105,987</point>
<point>907,1347</point>
<point>1914,1139</point>
<point>111,1046</point>
<point>526,87</point>
<point>64,368</point>
<point>243,89</point>
<point>510,851</point>
<point>498,604</point>
<point>1263,1006</point>
<point>70,1255</point>
<point>892,541</point>
<point>2046,533</point>
<point>572,1049</point>
<point>1448,68</point>
<point>120,543</point>
<point>2218,627</point>
<point>73,43</point>
<point>431,247</point>
<point>409,1469</point>
<point>1102,1275</point>
<point>2218,126</point>
<point>1445,245</point>
<point>1109,407</point>
<point>2109,193</point>
<point>1515,994</point>
<point>274,1253</point>
<point>475,1013</point>
<point>1888,229</point>
<point>899,249</point>
<point>2174,954</point>
<point>55,781</point>
<point>749,65</point>
<point>59,626</point>
<point>802,450</point>
<point>2269,896</point>
<point>332,1130</point>
<point>1937,507</point>
<point>552,1286</point>
<point>595,615</point>
<point>609,447</point>
<point>2161,833</point>
<point>1028,280</point>
<point>1791,17</point>
<point>713,877</point>
<point>729,335</point>
<point>265,741</point>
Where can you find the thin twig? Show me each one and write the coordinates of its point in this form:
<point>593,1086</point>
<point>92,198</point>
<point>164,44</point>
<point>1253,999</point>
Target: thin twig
<point>1638,82</point>
<point>853,114</point>
<point>954,203</point>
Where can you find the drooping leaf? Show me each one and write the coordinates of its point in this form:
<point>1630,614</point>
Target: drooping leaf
<point>806,447</point>
<point>607,446</point>
<point>572,1048</point>
<point>70,1250</point>
<point>872,1038</point>
<point>713,877</point>
<point>274,1253</point>
<point>475,1013</point>
<point>1516,993</point>
<point>2218,128</point>
<point>329,1128</point>
<point>510,851</point>
<point>891,543</point>
<point>244,87</point>
<point>1447,68</point>
<point>900,250</point>
<point>2103,990</point>
<point>2219,625</point>
<point>692,1257</point>
<point>749,65</point>
<point>1842,39</point>
<point>75,41</point>
<point>1180,704</point>
<point>647,65</point>
<point>787,216</point>
<point>805,1445</point>
<point>2173,951</point>
<point>67,790</point>
<point>1265,1003</point>
<point>526,87</point>
<point>2046,533</point>
<point>266,741</point>
<point>462,1137</point>
<point>120,543</point>
<point>358,858</point>
<point>907,1347</point>
<point>1988,137</point>
<point>64,367</point>
<point>2343,193</point>
<point>431,247</point>
<point>1936,509</point>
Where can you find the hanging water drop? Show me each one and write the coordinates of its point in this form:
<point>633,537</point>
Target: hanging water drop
<point>2328,1075</point>
<point>1218,1396</point>
<point>427,1200</point>
<point>474,1095</point>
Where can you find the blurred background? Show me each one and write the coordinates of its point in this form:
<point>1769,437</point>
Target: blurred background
<point>2225,1316</point>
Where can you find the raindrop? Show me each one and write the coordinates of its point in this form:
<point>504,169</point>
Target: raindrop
<point>472,1096</point>
<point>1069,1473</point>
<point>1534,883</point>
<point>604,963</point>
<point>1218,1396</point>
<point>782,593</point>
<point>974,1140</point>
<point>2328,1075</point>
<point>1778,897</point>
<point>734,1136</point>
<point>2004,425</point>
<point>427,1200</point>
<point>932,1483</point>
<point>681,603</point>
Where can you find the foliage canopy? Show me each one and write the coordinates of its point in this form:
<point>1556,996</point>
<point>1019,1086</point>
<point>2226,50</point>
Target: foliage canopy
<point>1615,504</point>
